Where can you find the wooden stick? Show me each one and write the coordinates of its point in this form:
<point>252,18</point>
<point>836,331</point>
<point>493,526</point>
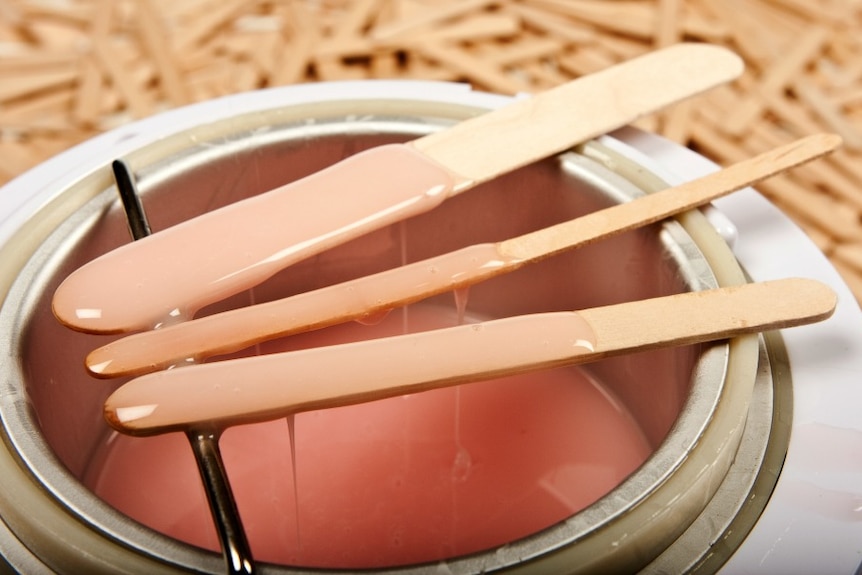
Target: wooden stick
<point>584,61</point>
<point>507,141</point>
<point>217,15</point>
<point>829,113</point>
<point>780,27</point>
<point>851,73</point>
<point>824,173</point>
<point>654,207</point>
<point>486,74</point>
<point>667,23</point>
<point>471,152</point>
<point>824,242</point>
<point>186,11</point>
<point>565,29</point>
<point>474,30</point>
<point>70,12</point>
<point>37,111</point>
<point>28,62</point>
<point>524,50</point>
<point>776,78</point>
<point>158,43</point>
<point>620,48</point>
<point>138,102</point>
<point>331,68</point>
<point>675,121</point>
<point>359,14</point>
<point>544,75</point>
<point>852,276</point>
<point>701,24</point>
<point>849,164</point>
<point>745,31</point>
<point>231,331</point>
<point>628,17</point>
<point>849,97</point>
<point>10,17</point>
<point>850,254</point>
<point>265,53</point>
<point>796,117</point>
<point>88,96</point>
<point>35,82</point>
<point>839,221</point>
<point>254,389</point>
<point>421,68</point>
<point>303,34</point>
<point>428,18</point>
<point>816,12</point>
<point>384,65</point>
<point>55,35</point>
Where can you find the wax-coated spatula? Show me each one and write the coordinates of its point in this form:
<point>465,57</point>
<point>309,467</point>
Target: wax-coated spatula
<point>175,272</point>
<point>273,386</point>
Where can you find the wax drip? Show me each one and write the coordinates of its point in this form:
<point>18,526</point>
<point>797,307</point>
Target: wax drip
<point>461,294</point>
<point>402,240</point>
<point>462,462</point>
<point>291,431</point>
<point>402,230</point>
<point>252,300</point>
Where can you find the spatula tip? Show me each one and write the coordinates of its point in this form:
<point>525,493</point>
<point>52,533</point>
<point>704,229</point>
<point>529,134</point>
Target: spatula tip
<point>713,55</point>
<point>820,299</point>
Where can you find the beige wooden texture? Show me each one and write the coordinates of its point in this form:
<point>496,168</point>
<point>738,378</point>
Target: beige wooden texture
<point>64,68</point>
<point>533,128</point>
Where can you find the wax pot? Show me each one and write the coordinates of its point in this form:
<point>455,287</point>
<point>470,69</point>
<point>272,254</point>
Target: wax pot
<point>77,497</point>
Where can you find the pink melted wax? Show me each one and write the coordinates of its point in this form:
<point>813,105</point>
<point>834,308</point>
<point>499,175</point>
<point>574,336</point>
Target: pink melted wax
<point>168,276</point>
<point>405,480</point>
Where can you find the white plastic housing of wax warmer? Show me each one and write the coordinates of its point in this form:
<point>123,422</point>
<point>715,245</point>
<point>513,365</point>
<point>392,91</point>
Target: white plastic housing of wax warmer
<point>812,522</point>
<point>697,478</point>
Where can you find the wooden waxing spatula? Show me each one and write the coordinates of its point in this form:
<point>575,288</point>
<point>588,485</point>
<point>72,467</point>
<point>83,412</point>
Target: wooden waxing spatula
<point>273,386</point>
<point>175,272</point>
<point>234,330</point>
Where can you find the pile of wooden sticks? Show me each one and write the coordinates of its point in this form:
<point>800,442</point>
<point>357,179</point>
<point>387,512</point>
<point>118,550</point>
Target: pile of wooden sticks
<point>70,69</point>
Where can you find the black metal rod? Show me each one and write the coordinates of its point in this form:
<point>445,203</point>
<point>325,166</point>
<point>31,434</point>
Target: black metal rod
<point>221,501</point>
<point>204,443</point>
<point>136,218</point>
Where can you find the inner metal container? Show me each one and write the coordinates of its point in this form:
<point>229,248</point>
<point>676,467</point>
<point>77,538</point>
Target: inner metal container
<point>692,402</point>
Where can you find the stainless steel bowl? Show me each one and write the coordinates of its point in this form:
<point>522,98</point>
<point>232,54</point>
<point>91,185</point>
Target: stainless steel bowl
<point>691,402</point>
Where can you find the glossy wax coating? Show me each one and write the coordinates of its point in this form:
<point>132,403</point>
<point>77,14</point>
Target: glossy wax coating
<point>234,330</point>
<point>168,275</point>
<point>276,385</point>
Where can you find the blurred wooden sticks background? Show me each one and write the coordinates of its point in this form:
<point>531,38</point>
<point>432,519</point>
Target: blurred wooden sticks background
<point>70,69</point>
